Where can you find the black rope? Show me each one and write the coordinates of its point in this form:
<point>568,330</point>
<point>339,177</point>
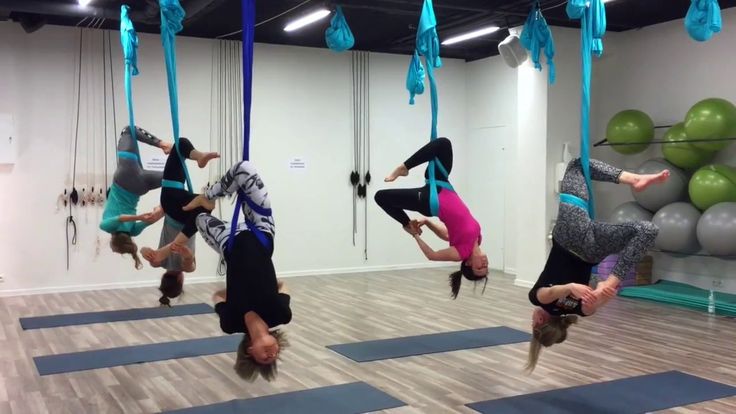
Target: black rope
<point>367,148</point>
<point>74,196</point>
<point>104,97</point>
<point>354,177</point>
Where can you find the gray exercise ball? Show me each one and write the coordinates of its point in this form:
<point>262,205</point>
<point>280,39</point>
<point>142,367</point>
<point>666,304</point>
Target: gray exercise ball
<point>717,229</point>
<point>659,195</point>
<point>628,212</point>
<point>678,223</point>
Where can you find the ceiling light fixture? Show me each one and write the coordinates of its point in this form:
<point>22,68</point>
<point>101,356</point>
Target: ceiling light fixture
<point>470,35</point>
<point>307,20</point>
<point>84,3</point>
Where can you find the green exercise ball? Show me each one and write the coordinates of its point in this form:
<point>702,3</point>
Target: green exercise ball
<point>681,153</point>
<point>711,185</point>
<point>711,118</point>
<point>630,127</point>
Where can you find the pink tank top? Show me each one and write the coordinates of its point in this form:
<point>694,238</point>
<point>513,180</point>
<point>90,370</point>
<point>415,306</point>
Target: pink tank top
<point>462,228</point>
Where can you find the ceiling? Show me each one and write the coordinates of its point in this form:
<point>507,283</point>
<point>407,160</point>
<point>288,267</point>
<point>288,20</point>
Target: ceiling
<point>378,25</point>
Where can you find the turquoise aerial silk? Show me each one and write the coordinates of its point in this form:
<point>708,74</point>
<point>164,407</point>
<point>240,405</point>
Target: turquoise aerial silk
<point>129,42</point>
<point>338,36</point>
<point>428,45</point>
<point>703,19</point>
<point>592,15</point>
<point>537,36</point>
<point>171,16</point>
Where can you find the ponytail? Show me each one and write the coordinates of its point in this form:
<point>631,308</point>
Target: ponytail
<point>172,285</point>
<point>551,333</point>
<point>456,279</point>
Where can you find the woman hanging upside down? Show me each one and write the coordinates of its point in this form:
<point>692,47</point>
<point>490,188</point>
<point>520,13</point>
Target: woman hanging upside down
<point>254,301</point>
<point>578,243</point>
<point>130,182</point>
<point>179,225</point>
<point>457,225</point>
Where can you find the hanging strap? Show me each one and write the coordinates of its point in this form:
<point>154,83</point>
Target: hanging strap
<point>248,17</point>
<point>428,45</point>
<point>537,36</point>
<point>338,36</point>
<point>129,155</point>
<point>129,42</point>
<point>173,184</point>
<point>703,19</point>
<point>593,27</point>
<point>574,200</point>
<point>171,16</point>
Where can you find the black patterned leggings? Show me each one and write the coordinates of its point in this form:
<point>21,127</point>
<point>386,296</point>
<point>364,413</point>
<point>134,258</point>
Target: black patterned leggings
<point>593,240</point>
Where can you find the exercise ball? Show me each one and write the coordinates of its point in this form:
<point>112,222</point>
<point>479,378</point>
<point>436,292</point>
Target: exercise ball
<point>659,195</point>
<point>630,127</point>
<point>711,118</point>
<point>711,185</point>
<point>678,223</point>
<point>628,212</point>
<point>717,230</point>
<point>682,153</point>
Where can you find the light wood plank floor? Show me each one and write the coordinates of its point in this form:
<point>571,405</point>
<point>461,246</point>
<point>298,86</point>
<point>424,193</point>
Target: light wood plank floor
<point>628,338</point>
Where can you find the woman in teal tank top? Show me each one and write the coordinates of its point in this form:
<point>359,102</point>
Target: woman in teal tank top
<point>120,217</point>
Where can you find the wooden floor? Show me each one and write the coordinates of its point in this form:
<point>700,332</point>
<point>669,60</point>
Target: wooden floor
<point>628,338</point>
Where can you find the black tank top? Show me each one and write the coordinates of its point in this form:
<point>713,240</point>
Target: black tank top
<point>562,267</point>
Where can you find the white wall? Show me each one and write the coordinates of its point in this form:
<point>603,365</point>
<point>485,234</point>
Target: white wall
<point>302,107</point>
<point>492,128</point>
<point>663,72</point>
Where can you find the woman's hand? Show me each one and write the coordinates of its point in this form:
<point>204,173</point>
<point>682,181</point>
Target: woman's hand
<point>200,201</point>
<point>166,147</point>
<point>583,292</point>
<point>153,216</point>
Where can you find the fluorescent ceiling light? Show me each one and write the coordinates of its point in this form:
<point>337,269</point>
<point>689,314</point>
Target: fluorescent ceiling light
<point>83,3</point>
<point>471,35</point>
<point>306,20</point>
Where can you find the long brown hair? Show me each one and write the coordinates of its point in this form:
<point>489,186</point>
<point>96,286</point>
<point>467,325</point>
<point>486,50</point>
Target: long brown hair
<point>172,284</point>
<point>248,368</point>
<point>551,333</point>
<point>456,279</point>
<point>122,243</point>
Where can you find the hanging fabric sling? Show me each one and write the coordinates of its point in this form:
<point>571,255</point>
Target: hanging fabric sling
<point>249,12</point>
<point>536,37</point>
<point>338,36</point>
<point>592,15</point>
<point>129,42</point>
<point>428,45</point>
<point>171,16</point>
<point>703,19</point>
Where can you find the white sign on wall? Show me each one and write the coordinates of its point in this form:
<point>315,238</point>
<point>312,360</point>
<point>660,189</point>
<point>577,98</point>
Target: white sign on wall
<point>298,164</point>
<point>155,163</point>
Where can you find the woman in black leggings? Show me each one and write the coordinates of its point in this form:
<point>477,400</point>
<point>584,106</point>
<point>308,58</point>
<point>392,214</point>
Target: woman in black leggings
<point>174,197</point>
<point>457,225</point>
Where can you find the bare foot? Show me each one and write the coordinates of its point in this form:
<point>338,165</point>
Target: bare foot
<point>644,181</point>
<point>207,157</point>
<point>154,257</point>
<point>182,250</point>
<point>400,171</point>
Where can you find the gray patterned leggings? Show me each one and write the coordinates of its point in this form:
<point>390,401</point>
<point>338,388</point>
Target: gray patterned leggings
<point>592,240</point>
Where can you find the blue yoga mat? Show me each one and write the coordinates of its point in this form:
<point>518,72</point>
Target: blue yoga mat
<point>53,321</point>
<point>113,357</point>
<point>430,344</point>
<point>635,395</point>
<point>354,398</point>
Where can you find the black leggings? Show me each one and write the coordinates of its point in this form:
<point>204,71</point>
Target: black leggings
<point>394,202</point>
<point>173,199</point>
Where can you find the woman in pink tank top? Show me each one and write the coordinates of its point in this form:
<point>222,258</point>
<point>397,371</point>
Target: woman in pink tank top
<point>456,226</point>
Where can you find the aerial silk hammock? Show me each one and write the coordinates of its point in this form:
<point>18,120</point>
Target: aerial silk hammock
<point>338,36</point>
<point>592,15</point>
<point>703,19</point>
<point>171,16</point>
<point>428,45</point>
<point>249,13</point>
<point>535,37</point>
<point>129,41</point>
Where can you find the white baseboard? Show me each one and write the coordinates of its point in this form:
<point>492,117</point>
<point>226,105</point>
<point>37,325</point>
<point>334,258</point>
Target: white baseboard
<point>523,283</point>
<point>153,282</point>
<point>510,271</point>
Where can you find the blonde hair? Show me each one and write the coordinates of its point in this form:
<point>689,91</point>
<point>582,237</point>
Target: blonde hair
<point>248,368</point>
<point>122,243</point>
<point>551,333</point>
